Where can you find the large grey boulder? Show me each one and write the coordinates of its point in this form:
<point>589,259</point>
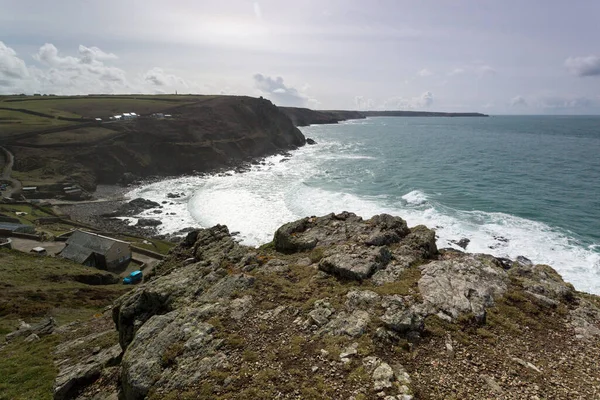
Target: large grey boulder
<point>161,343</point>
<point>462,285</point>
<point>542,280</point>
<point>355,263</point>
<point>387,230</point>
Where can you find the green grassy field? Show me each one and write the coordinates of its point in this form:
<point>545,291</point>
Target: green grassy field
<point>32,212</point>
<point>103,106</point>
<point>156,245</point>
<point>31,288</point>
<point>13,122</point>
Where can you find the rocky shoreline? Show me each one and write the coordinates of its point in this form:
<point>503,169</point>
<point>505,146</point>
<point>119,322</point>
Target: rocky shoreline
<point>341,307</point>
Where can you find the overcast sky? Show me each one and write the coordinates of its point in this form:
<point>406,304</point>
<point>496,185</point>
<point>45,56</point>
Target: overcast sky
<point>498,57</point>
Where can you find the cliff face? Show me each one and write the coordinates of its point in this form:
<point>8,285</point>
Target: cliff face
<point>337,307</point>
<point>210,134</point>
<point>305,116</point>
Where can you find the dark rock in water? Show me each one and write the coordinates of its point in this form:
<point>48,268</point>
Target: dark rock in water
<point>148,222</point>
<point>524,261</point>
<point>310,141</point>
<point>143,203</point>
<point>164,202</point>
<point>463,243</point>
<point>235,233</point>
<point>284,160</point>
<point>501,239</point>
<point>174,195</point>
<point>157,211</point>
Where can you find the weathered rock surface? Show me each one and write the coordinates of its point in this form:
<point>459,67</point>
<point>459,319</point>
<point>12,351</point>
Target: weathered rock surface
<point>44,327</point>
<point>352,307</point>
<point>460,286</point>
<point>72,378</point>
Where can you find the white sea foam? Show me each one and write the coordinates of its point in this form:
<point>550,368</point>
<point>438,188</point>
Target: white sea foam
<point>257,202</point>
<point>415,197</point>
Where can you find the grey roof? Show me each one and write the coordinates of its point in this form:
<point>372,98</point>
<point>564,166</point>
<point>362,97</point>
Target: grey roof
<point>81,245</point>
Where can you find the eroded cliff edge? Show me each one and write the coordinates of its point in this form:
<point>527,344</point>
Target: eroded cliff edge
<point>341,307</point>
<point>212,133</point>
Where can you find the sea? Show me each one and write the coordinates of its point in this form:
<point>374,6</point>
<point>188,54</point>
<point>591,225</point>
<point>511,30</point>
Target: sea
<point>513,185</point>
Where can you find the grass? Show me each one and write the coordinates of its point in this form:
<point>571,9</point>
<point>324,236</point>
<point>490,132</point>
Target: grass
<point>80,135</point>
<point>32,287</point>
<point>32,212</point>
<point>102,106</point>
<point>14,122</point>
<point>156,245</point>
<point>28,370</point>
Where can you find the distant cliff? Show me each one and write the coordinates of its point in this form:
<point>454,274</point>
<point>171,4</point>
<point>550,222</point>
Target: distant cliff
<point>216,132</point>
<point>305,116</point>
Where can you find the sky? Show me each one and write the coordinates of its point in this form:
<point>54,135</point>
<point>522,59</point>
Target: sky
<point>496,57</point>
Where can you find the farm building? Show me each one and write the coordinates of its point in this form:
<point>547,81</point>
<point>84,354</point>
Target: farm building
<point>96,250</point>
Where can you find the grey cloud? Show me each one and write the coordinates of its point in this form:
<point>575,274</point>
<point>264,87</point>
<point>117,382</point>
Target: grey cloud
<point>11,67</point>
<point>91,54</point>
<point>281,94</point>
<point>518,101</point>
<point>424,73</point>
<point>156,76</point>
<point>583,66</point>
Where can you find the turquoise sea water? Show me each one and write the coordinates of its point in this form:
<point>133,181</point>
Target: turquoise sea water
<point>513,185</point>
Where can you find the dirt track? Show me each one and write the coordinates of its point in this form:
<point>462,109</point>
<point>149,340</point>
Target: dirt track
<point>9,161</point>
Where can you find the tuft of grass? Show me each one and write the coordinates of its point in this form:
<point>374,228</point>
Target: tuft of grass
<point>28,370</point>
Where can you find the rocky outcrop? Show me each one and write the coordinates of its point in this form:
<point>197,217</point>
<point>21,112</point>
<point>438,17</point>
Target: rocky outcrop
<point>356,308</point>
<point>467,285</point>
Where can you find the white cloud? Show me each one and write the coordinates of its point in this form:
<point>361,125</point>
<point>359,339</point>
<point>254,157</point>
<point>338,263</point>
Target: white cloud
<point>558,103</point>
<point>518,101</point>
<point>12,68</point>
<point>257,10</point>
<point>424,73</point>
<point>457,71</point>
<point>583,66</point>
<point>89,55</point>
<point>363,104</point>
<point>477,68</point>
<point>425,100</point>
<point>157,77</point>
<point>89,71</point>
<point>485,70</point>
<point>277,91</point>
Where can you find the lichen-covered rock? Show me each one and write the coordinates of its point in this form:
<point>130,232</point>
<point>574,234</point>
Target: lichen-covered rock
<point>351,324</point>
<point>358,263</point>
<point>463,285</point>
<point>543,280</point>
<point>157,344</point>
<point>72,377</point>
<point>365,300</point>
